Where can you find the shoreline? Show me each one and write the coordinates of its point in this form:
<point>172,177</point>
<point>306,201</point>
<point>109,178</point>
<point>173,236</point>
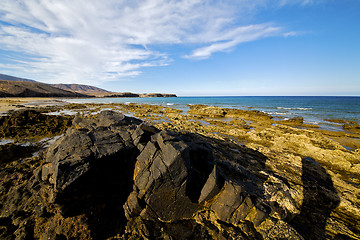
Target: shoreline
<point>284,145</point>
<point>313,110</point>
<point>211,120</point>
<point>327,124</point>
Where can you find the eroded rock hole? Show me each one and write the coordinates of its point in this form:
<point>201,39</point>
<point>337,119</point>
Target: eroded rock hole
<point>101,192</point>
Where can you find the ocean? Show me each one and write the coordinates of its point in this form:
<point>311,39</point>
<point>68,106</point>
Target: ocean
<point>314,110</point>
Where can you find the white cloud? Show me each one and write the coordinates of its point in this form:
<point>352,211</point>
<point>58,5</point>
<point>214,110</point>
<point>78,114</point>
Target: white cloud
<point>302,2</point>
<point>238,35</point>
<point>87,41</point>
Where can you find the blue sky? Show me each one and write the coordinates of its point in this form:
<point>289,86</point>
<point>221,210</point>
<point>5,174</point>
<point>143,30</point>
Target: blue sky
<point>187,47</point>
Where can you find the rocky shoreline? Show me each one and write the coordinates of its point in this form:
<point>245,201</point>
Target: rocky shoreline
<point>159,173</point>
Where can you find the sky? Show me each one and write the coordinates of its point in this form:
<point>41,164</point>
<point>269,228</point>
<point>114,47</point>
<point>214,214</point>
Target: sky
<point>186,47</point>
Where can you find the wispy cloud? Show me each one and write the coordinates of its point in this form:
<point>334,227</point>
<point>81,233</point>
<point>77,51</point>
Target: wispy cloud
<point>235,37</point>
<point>302,2</point>
<point>93,41</point>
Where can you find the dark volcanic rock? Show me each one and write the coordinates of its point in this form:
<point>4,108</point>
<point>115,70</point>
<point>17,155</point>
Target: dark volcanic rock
<point>13,152</point>
<point>112,176</point>
<point>171,172</point>
<point>90,171</point>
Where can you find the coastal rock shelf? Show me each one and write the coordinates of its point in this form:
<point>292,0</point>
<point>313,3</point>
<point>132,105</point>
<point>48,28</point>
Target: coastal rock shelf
<point>116,177</point>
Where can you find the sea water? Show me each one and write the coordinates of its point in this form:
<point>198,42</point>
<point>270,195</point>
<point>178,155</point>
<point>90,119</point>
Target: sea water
<point>314,110</point>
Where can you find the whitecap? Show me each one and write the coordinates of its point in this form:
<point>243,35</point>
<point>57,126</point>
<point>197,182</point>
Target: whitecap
<point>279,113</point>
<point>300,108</point>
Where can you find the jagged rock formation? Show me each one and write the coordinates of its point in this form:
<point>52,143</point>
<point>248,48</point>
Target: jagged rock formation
<point>116,177</point>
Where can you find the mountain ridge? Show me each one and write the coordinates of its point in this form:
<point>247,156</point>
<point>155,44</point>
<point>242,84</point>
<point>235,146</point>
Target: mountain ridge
<point>17,88</point>
<point>12,78</point>
<point>11,86</point>
<point>83,89</point>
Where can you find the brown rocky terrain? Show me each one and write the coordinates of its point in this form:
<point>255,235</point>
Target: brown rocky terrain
<point>11,86</point>
<point>213,173</point>
<point>32,89</point>
<point>84,89</point>
<point>31,123</point>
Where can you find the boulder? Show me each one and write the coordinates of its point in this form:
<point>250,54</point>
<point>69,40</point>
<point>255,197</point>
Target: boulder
<point>208,111</point>
<point>89,170</point>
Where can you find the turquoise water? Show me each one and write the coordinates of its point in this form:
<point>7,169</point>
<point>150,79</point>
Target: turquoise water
<point>313,109</point>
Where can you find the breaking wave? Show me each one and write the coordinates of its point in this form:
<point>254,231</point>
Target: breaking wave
<point>304,109</point>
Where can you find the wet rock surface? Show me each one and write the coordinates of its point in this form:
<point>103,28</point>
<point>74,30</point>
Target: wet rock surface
<point>12,152</point>
<point>112,176</point>
<point>32,124</point>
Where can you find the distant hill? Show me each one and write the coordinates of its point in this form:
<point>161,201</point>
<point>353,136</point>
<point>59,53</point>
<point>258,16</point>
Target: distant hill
<point>17,88</point>
<point>84,89</point>
<point>157,95</point>
<point>20,87</point>
<point>129,94</point>
<point>11,78</point>
<point>99,92</point>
